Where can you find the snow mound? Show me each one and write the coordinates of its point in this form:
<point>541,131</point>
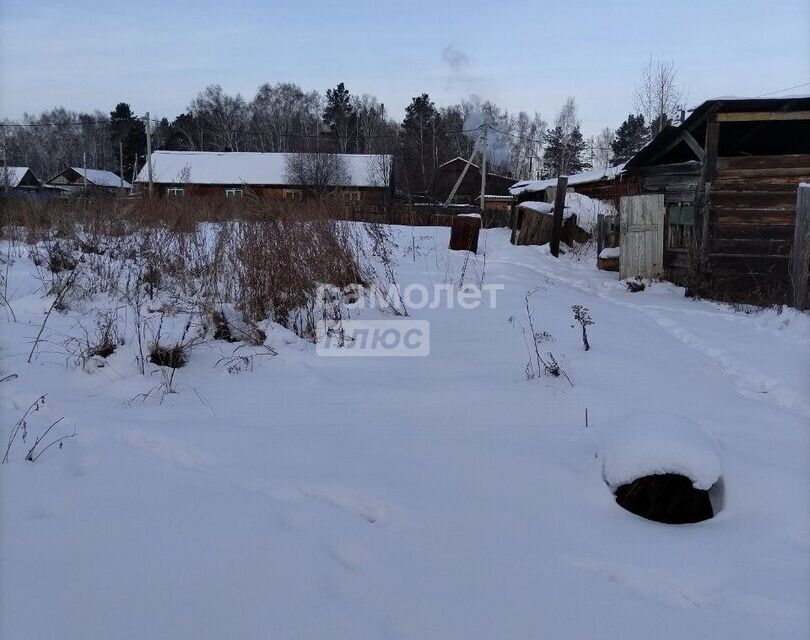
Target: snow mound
<point>587,209</point>
<point>643,444</point>
<point>538,207</point>
<point>610,252</point>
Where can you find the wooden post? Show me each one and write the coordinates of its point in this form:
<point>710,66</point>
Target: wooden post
<point>6,176</point>
<point>800,256</point>
<point>121,163</point>
<point>559,206</point>
<point>600,233</point>
<point>149,152</point>
<point>702,218</point>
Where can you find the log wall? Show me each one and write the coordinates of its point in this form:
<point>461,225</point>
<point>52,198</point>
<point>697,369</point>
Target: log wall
<point>752,214</point>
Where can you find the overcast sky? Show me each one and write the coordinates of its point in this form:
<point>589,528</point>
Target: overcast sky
<point>525,55</point>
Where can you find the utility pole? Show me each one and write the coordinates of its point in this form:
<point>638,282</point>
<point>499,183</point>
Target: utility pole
<point>84,162</point>
<point>149,151</point>
<point>557,223</point>
<point>6,177</point>
<point>121,163</point>
<point>484,168</point>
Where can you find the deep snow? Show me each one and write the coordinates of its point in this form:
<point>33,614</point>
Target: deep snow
<point>437,497</point>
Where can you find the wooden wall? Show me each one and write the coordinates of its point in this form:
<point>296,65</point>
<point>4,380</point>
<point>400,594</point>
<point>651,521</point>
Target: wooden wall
<point>752,213</point>
<point>372,195</point>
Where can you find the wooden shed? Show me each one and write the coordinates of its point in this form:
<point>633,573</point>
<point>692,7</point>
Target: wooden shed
<point>728,177</point>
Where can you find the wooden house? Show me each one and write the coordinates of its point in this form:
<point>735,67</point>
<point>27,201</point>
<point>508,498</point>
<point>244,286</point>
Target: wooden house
<point>78,179</point>
<point>721,193</point>
<point>448,173</point>
<point>366,180</point>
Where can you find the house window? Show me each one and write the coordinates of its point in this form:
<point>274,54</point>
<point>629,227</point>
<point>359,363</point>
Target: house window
<point>350,196</point>
<point>175,191</point>
<point>680,223</point>
<point>233,193</point>
<point>293,194</point>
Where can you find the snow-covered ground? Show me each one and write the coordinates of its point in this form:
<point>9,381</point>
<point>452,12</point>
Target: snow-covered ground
<point>432,497</point>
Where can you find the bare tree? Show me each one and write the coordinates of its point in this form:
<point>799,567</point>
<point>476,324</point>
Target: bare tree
<point>380,169</point>
<point>658,96</point>
<point>226,116</point>
<point>602,150</point>
<point>318,172</point>
<point>285,117</point>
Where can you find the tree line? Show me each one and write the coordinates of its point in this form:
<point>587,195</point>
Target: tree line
<point>283,117</point>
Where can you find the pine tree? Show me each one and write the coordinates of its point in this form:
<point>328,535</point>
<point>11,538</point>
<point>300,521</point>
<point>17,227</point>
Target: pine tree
<point>564,154</point>
<point>130,131</point>
<point>421,127</point>
<point>339,116</point>
<point>630,137</point>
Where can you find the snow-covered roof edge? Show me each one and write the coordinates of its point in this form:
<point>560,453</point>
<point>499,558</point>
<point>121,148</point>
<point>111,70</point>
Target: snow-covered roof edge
<point>102,177</point>
<point>13,175</point>
<point>531,186</point>
<point>254,168</point>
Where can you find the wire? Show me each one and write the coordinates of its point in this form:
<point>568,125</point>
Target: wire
<point>249,132</point>
<point>796,86</point>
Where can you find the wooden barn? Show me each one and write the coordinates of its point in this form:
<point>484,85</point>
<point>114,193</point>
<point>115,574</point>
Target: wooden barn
<point>470,188</point>
<point>78,179</point>
<point>367,179</point>
<point>716,199</point>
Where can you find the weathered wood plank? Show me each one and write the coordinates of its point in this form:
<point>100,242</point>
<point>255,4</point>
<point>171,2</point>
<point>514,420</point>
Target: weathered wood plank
<point>744,231</point>
<point>642,236</point>
<point>763,116</point>
<point>769,172</point>
<point>800,259</point>
<point>752,246</point>
<point>759,183</point>
<point>559,205</point>
<point>764,162</point>
<point>724,215</point>
<point>754,199</point>
<point>745,263</point>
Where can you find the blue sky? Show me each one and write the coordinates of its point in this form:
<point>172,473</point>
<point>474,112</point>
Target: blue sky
<point>522,55</point>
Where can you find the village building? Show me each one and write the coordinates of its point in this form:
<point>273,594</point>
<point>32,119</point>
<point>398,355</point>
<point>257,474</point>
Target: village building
<point>367,178</point>
<point>604,184</point>
<point>717,197</point>
<point>446,176</point>
<point>709,204</point>
<point>78,179</point>
<point>18,181</point>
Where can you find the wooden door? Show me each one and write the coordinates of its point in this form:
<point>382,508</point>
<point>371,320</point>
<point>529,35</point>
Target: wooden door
<point>641,236</point>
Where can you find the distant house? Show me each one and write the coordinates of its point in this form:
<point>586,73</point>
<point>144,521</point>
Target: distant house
<point>18,180</point>
<point>367,178</point>
<point>470,188</point>
<point>72,180</point>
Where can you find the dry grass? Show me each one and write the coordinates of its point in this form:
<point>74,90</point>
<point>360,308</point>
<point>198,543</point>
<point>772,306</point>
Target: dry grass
<point>265,258</point>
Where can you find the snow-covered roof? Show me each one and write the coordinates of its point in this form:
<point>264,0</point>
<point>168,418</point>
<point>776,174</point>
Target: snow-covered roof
<point>791,96</point>
<point>12,175</point>
<point>101,177</point>
<point>531,186</point>
<point>252,168</point>
<point>538,207</point>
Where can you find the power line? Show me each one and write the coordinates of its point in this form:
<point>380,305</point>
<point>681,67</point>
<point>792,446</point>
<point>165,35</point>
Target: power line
<point>247,132</point>
<point>796,86</point>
